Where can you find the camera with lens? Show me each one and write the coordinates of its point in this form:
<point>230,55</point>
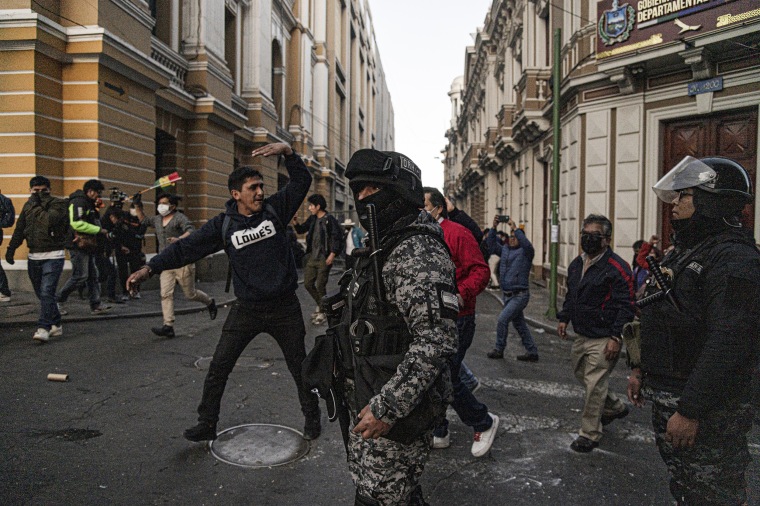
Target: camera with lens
<point>117,196</point>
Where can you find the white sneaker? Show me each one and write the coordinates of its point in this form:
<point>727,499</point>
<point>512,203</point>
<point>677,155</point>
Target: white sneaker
<point>5,298</point>
<point>56,331</point>
<point>319,319</point>
<point>62,311</point>
<point>442,442</point>
<point>483,440</point>
<point>41,335</point>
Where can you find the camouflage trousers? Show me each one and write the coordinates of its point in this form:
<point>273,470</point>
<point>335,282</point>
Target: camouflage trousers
<point>712,471</point>
<point>386,472</point>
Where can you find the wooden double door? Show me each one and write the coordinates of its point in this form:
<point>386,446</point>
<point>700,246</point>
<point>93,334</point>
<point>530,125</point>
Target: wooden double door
<point>732,135</point>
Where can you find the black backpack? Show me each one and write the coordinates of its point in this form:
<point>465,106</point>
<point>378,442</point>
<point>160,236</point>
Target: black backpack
<point>7,212</point>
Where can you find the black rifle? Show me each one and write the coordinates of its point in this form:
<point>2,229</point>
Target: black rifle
<point>666,290</point>
<point>373,252</point>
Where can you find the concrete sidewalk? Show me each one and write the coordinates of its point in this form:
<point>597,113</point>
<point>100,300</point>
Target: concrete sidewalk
<point>24,307</point>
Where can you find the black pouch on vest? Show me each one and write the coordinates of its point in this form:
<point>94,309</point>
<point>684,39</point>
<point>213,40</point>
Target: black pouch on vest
<point>317,371</point>
<point>372,372</point>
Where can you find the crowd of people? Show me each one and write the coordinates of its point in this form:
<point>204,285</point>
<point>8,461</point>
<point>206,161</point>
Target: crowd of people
<point>397,331</point>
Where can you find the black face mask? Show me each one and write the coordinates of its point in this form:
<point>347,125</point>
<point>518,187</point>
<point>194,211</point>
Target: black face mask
<point>591,244</point>
<point>389,208</point>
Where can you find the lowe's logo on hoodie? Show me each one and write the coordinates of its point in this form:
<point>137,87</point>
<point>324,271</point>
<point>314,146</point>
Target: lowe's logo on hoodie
<point>243,238</point>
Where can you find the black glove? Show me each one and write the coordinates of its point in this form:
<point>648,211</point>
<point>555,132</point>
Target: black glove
<point>9,256</point>
<point>137,198</point>
<point>35,199</point>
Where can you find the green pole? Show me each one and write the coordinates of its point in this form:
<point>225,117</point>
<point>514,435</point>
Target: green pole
<point>556,145</point>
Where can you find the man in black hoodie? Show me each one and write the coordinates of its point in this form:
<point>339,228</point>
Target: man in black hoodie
<point>699,347</point>
<point>252,231</point>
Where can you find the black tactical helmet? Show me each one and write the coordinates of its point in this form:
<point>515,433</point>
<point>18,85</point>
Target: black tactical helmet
<point>387,169</point>
<point>726,194</point>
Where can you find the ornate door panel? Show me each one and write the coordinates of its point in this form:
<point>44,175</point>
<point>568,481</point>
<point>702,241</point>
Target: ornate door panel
<point>733,135</point>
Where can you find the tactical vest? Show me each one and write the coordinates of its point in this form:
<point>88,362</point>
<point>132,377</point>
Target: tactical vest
<point>672,339</point>
<point>373,338</point>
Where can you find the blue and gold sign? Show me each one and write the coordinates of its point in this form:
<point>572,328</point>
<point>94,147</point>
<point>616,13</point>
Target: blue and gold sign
<point>615,24</point>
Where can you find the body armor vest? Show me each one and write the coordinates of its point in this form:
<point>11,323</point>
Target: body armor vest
<point>671,340</point>
<point>373,338</point>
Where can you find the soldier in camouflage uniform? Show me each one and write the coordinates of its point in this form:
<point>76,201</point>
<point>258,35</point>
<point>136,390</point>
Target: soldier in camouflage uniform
<point>401,336</point>
<point>699,348</point>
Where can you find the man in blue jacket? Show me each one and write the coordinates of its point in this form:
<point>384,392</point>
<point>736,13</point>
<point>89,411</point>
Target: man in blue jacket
<point>514,274</point>
<point>252,231</point>
<point>599,302</point>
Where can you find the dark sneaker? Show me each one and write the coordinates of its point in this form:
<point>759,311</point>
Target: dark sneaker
<point>583,445</point>
<point>201,432</point>
<point>165,331</point>
<point>312,428</point>
<point>100,310</point>
<point>495,354</point>
<point>608,419</point>
<point>527,358</point>
<point>212,310</point>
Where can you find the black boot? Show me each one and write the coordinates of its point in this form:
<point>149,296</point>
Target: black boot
<point>212,310</point>
<point>313,427</point>
<point>201,432</point>
<point>165,331</point>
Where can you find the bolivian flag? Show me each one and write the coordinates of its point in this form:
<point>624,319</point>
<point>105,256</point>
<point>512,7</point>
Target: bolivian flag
<point>167,180</point>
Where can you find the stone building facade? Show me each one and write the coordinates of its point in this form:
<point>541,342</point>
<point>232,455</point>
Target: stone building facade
<point>643,85</point>
<point>127,91</point>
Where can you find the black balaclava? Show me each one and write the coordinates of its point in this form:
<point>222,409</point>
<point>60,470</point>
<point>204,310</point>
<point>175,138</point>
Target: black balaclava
<point>703,223</point>
<point>389,208</point>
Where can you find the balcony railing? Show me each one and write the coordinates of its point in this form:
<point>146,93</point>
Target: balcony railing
<point>169,58</point>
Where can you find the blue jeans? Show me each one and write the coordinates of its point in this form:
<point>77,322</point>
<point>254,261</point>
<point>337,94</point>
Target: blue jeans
<point>4,288</point>
<point>83,271</point>
<point>44,275</point>
<point>467,377</point>
<point>513,312</point>
<point>468,408</point>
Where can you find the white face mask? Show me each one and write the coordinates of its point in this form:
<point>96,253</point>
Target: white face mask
<point>163,209</point>
<point>133,211</point>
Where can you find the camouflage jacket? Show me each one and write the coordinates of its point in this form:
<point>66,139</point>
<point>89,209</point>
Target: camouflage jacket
<point>413,274</point>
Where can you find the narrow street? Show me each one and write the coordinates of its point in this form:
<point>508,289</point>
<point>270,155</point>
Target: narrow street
<point>112,434</point>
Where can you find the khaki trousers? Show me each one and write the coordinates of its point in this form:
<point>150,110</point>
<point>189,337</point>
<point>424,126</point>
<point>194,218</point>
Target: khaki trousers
<point>593,370</point>
<point>185,277</point>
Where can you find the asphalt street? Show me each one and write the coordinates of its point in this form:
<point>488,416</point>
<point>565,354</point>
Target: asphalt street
<point>112,434</point>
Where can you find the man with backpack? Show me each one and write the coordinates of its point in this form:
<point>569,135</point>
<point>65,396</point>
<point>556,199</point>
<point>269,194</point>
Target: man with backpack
<point>252,231</point>
<point>7,218</point>
<point>44,224</point>
<point>324,243</point>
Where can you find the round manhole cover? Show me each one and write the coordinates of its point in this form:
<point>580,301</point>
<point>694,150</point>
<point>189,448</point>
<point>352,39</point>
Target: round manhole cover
<point>259,445</point>
<point>242,363</point>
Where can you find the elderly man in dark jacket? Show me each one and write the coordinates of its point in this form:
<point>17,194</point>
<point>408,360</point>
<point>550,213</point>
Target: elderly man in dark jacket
<point>514,273</point>
<point>599,302</point>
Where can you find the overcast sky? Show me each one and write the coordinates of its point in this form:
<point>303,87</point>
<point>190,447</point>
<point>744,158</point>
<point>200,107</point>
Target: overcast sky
<point>422,45</point>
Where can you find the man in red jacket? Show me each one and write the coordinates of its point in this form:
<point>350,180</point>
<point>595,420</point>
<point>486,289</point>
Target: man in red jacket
<point>472,275</point>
